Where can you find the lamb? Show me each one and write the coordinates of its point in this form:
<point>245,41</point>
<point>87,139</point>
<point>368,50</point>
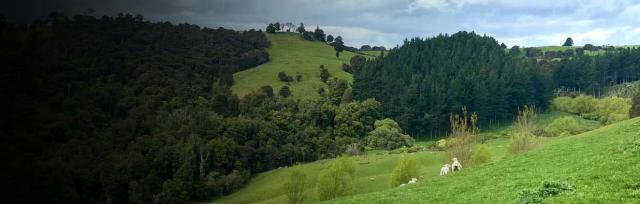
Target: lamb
<point>444,170</point>
<point>456,166</point>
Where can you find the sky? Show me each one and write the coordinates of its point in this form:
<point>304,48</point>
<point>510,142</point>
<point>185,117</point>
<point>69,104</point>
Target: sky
<point>383,22</point>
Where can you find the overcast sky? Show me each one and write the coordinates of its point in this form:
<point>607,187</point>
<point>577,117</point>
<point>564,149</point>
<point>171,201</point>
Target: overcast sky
<point>384,22</point>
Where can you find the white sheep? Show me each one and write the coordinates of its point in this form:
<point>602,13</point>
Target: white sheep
<point>413,181</point>
<point>456,166</point>
<point>444,170</point>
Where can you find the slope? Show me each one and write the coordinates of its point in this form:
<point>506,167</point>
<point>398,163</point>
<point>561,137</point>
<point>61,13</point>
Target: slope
<point>602,164</point>
<point>267,187</point>
<point>293,55</point>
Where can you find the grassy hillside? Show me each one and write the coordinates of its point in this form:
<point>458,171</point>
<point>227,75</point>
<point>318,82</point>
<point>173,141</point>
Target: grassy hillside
<point>267,187</point>
<point>292,54</point>
<point>602,165</point>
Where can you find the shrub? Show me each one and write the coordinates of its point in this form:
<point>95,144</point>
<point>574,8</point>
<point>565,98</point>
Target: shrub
<point>388,135</point>
<point>528,196</point>
<point>481,154</point>
<point>613,109</point>
<point>562,103</point>
<point>552,188</point>
<point>295,187</point>
<point>285,91</point>
<point>563,126</point>
<point>284,77</point>
<point>548,189</point>
<point>267,90</point>
<point>583,104</point>
<point>173,191</point>
<point>522,138</point>
<point>406,169</point>
<point>336,180</point>
<point>324,74</point>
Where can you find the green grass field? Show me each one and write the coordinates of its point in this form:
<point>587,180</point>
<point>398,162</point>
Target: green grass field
<point>603,165</point>
<point>267,187</point>
<point>292,54</point>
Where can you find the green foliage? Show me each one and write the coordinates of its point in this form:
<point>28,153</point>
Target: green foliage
<point>284,77</point>
<point>568,42</point>
<point>548,189</point>
<point>285,91</point>
<point>338,45</point>
<point>406,169</point>
<point>462,138</point>
<point>420,83</point>
<point>174,191</point>
<point>528,196</point>
<point>388,135</point>
<point>286,52</point>
<point>613,109</point>
<point>635,104</point>
<point>607,110</point>
<point>336,180</point>
<point>481,154</point>
<point>563,126</point>
<point>522,138</point>
<point>295,187</point>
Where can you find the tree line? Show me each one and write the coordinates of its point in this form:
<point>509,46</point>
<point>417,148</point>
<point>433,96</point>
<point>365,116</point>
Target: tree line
<point>425,80</point>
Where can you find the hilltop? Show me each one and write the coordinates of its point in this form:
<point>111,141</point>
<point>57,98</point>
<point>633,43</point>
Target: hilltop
<point>293,55</point>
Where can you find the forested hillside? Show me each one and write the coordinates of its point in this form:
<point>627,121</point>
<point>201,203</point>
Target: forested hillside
<point>122,110</point>
<point>421,83</point>
<point>100,109</point>
<point>592,74</point>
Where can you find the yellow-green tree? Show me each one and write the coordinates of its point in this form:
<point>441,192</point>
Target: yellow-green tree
<point>336,180</point>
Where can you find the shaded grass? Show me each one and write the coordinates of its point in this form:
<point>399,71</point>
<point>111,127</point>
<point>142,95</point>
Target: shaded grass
<point>292,54</point>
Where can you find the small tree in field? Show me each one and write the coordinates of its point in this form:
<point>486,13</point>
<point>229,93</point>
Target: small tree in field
<point>522,138</point>
<point>406,169</point>
<point>294,188</point>
<point>461,140</point>
<point>337,180</point>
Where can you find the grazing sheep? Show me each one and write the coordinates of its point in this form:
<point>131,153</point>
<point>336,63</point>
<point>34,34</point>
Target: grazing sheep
<point>444,170</point>
<point>413,180</point>
<point>456,166</point>
<point>402,185</point>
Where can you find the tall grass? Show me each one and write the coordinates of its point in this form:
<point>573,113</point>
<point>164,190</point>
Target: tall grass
<point>522,138</point>
<point>464,129</point>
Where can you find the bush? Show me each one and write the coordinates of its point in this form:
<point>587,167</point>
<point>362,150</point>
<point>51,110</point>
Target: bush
<point>285,91</point>
<point>173,191</point>
<point>295,187</point>
<point>284,77</point>
<point>613,109</point>
<point>388,135</point>
<point>406,169</point>
<point>583,104</point>
<point>528,196</point>
<point>337,180</point>
<point>548,189</point>
<point>563,126</point>
<point>562,103</point>
<point>481,154</point>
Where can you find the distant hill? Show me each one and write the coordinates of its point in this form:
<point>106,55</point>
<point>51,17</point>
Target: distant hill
<point>293,55</point>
